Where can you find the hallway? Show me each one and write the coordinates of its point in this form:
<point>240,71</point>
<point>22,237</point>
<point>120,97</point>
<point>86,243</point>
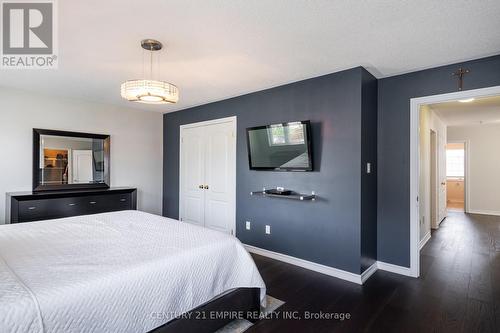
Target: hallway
<point>458,290</point>
<point>461,266</point>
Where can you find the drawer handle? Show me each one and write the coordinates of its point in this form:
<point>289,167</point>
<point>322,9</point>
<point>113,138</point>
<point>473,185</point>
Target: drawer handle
<point>31,208</point>
<point>92,202</point>
<point>72,204</point>
<point>123,200</point>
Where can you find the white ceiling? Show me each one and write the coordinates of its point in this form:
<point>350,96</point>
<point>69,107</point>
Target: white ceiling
<point>222,48</point>
<point>480,111</point>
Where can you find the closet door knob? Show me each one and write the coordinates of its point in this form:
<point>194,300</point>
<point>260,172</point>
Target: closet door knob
<point>206,187</point>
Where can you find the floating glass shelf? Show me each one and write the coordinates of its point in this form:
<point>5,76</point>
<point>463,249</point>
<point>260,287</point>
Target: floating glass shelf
<point>293,196</point>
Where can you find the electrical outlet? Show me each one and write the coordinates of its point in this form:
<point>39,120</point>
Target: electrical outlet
<point>247,225</point>
<point>268,229</point>
<point>368,168</point>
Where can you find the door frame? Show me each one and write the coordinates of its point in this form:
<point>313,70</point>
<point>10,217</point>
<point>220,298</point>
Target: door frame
<point>233,120</point>
<point>434,179</point>
<point>415,104</point>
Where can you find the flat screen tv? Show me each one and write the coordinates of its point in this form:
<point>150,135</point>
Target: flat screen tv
<point>280,147</point>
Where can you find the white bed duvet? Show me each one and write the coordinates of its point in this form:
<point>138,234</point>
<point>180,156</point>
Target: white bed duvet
<point>115,272</point>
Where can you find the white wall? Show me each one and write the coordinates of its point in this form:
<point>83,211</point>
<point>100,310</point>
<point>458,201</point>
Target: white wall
<point>428,121</point>
<point>484,165</point>
<point>136,141</point>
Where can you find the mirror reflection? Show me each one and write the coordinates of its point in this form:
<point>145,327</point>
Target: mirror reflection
<point>71,160</point>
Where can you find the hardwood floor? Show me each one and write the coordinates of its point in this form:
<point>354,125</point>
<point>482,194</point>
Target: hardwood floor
<point>455,206</point>
<point>458,291</point>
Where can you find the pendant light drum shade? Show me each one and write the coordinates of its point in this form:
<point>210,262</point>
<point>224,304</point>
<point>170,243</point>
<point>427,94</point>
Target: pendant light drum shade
<point>149,91</point>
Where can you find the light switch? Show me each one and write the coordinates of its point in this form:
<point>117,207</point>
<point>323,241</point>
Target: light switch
<point>268,229</point>
<point>247,226</point>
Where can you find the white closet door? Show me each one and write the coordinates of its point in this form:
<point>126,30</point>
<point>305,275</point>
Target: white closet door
<point>82,166</point>
<point>192,176</point>
<point>220,177</point>
<point>208,174</point>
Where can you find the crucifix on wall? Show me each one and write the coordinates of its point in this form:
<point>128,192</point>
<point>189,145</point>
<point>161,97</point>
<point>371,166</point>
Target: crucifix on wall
<point>460,73</point>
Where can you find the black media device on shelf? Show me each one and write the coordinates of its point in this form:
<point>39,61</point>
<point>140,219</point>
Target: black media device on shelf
<point>279,191</point>
<point>280,147</point>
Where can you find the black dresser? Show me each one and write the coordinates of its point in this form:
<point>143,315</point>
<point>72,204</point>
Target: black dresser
<point>30,206</point>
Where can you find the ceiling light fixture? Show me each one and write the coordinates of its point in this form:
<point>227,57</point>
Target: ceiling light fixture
<point>148,90</point>
<point>467,100</point>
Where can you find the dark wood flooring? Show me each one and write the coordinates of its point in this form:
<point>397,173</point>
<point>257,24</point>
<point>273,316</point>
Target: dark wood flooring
<point>458,291</point>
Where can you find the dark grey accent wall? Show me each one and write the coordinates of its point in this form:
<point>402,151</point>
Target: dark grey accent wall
<point>368,180</point>
<point>394,94</point>
<point>327,231</point>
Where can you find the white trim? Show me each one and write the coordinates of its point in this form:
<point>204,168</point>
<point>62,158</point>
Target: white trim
<point>467,177</point>
<point>232,119</point>
<point>455,201</point>
<point>335,272</point>
<point>327,270</point>
<point>210,122</point>
<point>368,272</point>
<point>415,104</point>
<point>424,240</point>
<point>383,266</point>
<point>484,212</point>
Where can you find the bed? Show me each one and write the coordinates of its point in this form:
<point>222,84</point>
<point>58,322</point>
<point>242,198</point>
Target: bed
<point>126,271</point>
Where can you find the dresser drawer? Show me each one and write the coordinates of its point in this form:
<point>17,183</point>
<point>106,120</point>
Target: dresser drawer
<point>108,203</point>
<point>45,209</point>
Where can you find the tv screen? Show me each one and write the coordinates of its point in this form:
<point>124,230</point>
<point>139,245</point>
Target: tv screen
<point>282,147</point>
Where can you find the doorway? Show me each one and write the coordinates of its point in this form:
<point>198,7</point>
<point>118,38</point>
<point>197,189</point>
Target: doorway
<point>207,174</point>
<point>455,176</point>
<point>415,149</point>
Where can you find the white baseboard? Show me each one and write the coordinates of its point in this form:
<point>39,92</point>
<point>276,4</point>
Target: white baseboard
<point>335,272</point>
<point>455,201</point>
<point>424,240</point>
<point>368,272</point>
<point>484,212</point>
<point>393,268</point>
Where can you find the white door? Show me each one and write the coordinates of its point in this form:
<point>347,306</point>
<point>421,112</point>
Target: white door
<point>441,178</point>
<point>82,166</point>
<point>434,187</point>
<point>219,177</point>
<point>208,174</point>
<point>192,176</point>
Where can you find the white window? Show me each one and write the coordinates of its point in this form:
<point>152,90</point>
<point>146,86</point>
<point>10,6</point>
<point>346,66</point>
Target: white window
<point>455,163</point>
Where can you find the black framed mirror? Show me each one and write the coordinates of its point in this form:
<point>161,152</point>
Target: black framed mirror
<point>70,160</point>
